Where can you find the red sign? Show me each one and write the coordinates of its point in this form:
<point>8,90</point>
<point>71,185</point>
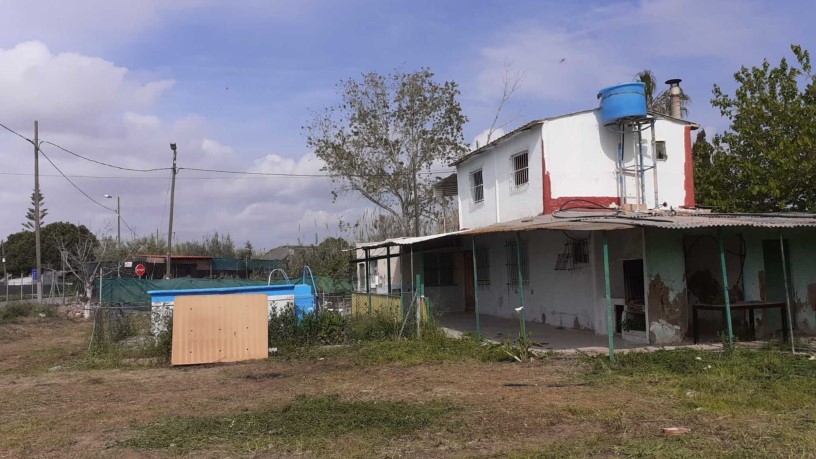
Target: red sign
<point>140,270</point>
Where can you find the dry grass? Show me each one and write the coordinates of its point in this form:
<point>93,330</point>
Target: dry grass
<point>350,404</point>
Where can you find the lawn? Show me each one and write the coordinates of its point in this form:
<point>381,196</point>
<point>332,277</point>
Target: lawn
<point>431,398</point>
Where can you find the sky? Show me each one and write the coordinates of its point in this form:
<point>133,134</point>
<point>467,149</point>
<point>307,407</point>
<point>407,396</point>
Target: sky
<point>232,83</point>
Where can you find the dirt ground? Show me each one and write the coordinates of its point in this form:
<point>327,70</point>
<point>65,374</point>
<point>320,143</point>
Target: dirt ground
<point>53,406</point>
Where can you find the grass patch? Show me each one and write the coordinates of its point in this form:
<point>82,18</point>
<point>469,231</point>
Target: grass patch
<point>434,346</point>
<point>737,381</point>
<point>17,312</point>
<point>310,423</point>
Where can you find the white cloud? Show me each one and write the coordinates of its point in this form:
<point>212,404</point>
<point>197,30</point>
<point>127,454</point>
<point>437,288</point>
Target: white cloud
<point>68,91</point>
<point>481,139</point>
<point>98,109</point>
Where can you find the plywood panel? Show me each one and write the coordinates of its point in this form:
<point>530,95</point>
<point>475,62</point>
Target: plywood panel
<point>219,328</point>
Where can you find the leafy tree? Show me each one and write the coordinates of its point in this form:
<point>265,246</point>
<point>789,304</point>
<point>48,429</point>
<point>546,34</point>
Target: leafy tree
<point>384,136</point>
<point>660,102</point>
<point>705,181</point>
<point>31,215</point>
<point>330,258</point>
<point>21,250</point>
<point>766,161</point>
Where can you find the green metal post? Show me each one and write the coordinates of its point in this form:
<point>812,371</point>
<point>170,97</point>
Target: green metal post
<point>411,278</point>
<point>608,290</point>
<point>368,280</point>
<point>787,293</point>
<point>522,315</point>
<point>418,306</point>
<point>476,290</point>
<point>725,291</point>
<point>388,269</point>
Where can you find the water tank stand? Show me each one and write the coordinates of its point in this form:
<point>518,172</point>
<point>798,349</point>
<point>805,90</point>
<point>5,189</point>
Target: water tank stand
<point>633,128</point>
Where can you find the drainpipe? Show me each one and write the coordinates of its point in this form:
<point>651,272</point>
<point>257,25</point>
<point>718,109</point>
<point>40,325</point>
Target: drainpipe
<point>787,293</point>
<point>725,291</point>
<point>608,290</point>
<point>476,289</point>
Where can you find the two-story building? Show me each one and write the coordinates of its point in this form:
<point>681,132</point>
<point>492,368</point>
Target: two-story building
<point>570,217</point>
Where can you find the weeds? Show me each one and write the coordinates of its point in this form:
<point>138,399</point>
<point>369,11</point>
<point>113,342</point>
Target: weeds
<point>18,311</point>
<point>308,422</point>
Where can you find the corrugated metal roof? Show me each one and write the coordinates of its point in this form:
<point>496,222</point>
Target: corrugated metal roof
<point>405,240</point>
<point>612,220</point>
<point>609,221</point>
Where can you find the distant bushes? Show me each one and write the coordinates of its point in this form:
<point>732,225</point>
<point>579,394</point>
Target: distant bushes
<point>18,311</point>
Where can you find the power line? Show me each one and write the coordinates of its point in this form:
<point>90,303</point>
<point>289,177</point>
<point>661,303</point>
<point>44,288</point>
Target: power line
<point>104,163</point>
<point>286,174</point>
<point>15,133</point>
<point>74,184</point>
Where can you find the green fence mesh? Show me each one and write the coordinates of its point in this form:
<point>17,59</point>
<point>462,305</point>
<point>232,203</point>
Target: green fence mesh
<point>134,291</point>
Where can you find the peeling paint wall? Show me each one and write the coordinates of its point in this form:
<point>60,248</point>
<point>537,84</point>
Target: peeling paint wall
<point>802,246</point>
<point>666,296</point>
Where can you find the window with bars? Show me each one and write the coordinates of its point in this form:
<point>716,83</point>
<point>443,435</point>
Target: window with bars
<point>512,262</point>
<point>580,251</point>
<point>438,269</point>
<point>521,172</point>
<point>477,186</point>
<point>483,265</point>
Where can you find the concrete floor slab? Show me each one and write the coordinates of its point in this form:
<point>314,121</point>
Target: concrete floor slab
<point>550,337</point>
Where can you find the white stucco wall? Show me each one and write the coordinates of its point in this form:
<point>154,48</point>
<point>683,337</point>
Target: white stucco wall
<point>580,156</point>
<point>503,201</point>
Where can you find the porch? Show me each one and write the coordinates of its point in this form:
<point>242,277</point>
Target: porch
<point>547,336</point>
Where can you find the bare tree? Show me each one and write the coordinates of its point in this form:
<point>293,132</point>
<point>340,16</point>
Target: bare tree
<point>85,259</point>
<point>511,82</point>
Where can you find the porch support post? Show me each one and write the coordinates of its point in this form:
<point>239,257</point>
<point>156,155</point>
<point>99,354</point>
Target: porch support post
<point>787,293</point>
<point>522,315</point>
<point>419,307</point>
<point>725,290</point>
<point>610,328</point>
<point>368,281</point>
<point>388,270</point>
<point>476,289</point>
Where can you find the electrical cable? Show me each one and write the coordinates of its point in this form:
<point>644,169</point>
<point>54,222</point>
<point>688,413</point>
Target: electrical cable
<point>285,174</point>
<point>16,133</point>
<point>74,184</point>
<point>104,163</point>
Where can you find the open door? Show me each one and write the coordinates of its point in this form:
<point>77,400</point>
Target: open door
<point>470,298</point>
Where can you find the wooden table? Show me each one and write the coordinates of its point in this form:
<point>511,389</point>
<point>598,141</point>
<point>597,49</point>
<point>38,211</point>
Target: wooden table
<point>750,306</point>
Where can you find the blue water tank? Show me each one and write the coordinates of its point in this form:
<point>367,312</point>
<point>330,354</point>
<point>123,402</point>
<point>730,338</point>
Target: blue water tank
<point>627,100</point>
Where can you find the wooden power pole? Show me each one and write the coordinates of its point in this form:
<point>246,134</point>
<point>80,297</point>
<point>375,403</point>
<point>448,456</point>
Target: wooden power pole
<point>172,201</point>
<point>37,209</point>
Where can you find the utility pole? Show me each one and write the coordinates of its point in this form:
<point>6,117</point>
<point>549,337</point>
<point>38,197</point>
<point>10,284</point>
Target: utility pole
<point>118,224</point>
<point>37,209</point>
<point>172,201</point>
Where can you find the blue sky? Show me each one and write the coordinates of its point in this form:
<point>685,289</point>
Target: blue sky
<point>119,80</point>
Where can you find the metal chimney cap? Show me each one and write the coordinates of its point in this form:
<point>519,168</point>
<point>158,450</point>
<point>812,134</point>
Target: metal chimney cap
<point>673,81</point>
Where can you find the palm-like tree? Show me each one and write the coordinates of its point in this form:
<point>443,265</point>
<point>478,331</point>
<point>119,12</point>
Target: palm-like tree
<point>661,103</point>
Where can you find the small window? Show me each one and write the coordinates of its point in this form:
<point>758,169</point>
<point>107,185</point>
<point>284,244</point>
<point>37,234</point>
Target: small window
<point>660,150</point>
<point>477,186</point>
<point>512,256</point>
<point>521,174</point>
<point>483,265</point>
